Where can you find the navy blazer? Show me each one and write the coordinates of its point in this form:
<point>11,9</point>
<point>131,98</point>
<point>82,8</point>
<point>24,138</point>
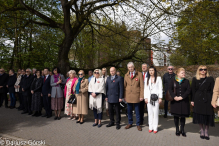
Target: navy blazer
<point>114,89</point>
<point>26,84</point>
<point>46,88</point>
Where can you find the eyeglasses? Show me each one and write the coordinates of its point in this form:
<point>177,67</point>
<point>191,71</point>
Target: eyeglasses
<point>96,72</point>
<point>170,68</point>
<point>201,69</point>
<point>80,74</point>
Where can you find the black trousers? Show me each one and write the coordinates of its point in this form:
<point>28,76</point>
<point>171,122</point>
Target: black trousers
<point>21,100</point>
<point>3,96</point>
<point>47,105</point>
<point>27,103</point>
<point>141,110</point>
<point>111,112</point>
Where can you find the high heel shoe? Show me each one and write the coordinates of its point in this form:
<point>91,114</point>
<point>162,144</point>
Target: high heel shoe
<point>207,137</point>
<point>183,134</point>
<point>202,136</point>
<point>78,122</point>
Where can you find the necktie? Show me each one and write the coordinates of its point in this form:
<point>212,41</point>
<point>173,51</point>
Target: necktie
<point>144,75</point>
<point>131,75</point>
<point>44,78</point>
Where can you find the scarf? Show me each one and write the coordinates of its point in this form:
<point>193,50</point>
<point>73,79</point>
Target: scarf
<point>56,79</point>
<point>78,85</point>
<point>178,80</point>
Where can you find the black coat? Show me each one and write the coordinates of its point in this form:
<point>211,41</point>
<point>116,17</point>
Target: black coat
<point>114,89</point>
<point>181,107</point>
<point>202,95</point>
<point>11,81</point>
<point>37,84</point>
<point>26,85</point>
<point>3,82</point>
<point>46,88</point>
<point>166,79</point>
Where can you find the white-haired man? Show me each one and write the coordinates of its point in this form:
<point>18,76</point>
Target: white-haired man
<point>27,97</point>
<point>133,93</point>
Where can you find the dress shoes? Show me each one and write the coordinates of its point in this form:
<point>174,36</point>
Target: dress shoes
<point>139,128</point>
<point>118,126</point>
<point>30,113</point>
<point>77,121</point>
<point>128,126</point>
<point>178,133</point>
<point>59,118</point>
<point>207,137</point>
<point>110,124</point>
<point>44,115</point>
<point>183,133</point>
<point>24,112</point>
<point>48,116</point>
<point>55,118</point>
<point>35,114</point>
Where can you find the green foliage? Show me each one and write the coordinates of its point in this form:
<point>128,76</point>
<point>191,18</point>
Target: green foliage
<point>197,33</point>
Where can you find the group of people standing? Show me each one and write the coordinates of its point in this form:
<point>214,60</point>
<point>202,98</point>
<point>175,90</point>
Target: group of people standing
<point>40,89</point>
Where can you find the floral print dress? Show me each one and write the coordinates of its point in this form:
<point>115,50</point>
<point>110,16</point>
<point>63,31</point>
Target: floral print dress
<point>68,107</point>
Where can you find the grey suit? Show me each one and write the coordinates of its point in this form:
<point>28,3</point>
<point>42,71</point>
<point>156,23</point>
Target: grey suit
<point>57,91</point>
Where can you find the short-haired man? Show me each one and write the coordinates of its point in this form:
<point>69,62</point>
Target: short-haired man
<point>3,89</point>
<point>133,93</point>
<point>90,74</point>
<point>10,85</point>
<point>26,91</point>
<point>142,103</point>
<point>114,95</point>
<point>167,77</point>
<point>46,93</point>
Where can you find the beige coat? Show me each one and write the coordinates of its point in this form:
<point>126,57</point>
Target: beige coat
<point>133,88</point>
<point>82,98</point>
<point>215,92</point>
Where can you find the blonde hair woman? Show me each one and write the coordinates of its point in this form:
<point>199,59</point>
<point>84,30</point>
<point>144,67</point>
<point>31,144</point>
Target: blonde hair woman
<point>67,93</point>
<point>97,91</point>
<point>180,107</point>
<point>81,93</point>
<point>202,91</point>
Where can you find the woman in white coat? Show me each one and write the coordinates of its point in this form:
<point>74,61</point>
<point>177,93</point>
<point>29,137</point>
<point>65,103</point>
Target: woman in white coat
<point>153,97</point>
<point>96,89</point>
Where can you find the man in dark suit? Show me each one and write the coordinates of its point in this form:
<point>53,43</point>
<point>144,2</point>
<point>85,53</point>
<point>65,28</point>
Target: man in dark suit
<point>26,91</point>
<point>10,85</point>
<point>142,103</point>
<point>21,107</point>
<point>46,93</point>
<point>3,89</point>
<point>114,95</point>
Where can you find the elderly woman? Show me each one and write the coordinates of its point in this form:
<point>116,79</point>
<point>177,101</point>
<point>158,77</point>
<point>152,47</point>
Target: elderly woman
<point>81,93</point>
<point>68,91</point>
<point>57,93</point>
<point>97,91</point>
<point>36,89</point>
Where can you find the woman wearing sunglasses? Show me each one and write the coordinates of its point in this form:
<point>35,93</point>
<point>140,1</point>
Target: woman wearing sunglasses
<point>202,91</point>
<point>81,93</point>
<point>97,91</point>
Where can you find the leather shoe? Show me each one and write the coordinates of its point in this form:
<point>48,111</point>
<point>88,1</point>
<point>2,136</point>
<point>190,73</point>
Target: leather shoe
<point>118,126</point>
<point>48,116</point>
<point>78,122</point>
<point>177,133</point>
<point>24,113</point>
<point>110,124</point>
<point>128,126</point>
<point>59,118</point>
<point>55,118</point>
<point>183,134</point>
<point>207,137</point>
<point>44,116</point>
<point>139,128</point>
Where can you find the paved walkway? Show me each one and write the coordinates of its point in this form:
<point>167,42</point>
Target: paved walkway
<point>66,132</point>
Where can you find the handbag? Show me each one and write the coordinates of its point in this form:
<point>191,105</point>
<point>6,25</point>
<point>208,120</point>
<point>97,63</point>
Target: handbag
<point>154,98</point>
<point>168,96</point>
<point>72,99</point>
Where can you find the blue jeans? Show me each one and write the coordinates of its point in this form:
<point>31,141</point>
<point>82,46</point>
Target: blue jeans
<point>13,99</point>
<point>130,116</point>
<point>96,115</point>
